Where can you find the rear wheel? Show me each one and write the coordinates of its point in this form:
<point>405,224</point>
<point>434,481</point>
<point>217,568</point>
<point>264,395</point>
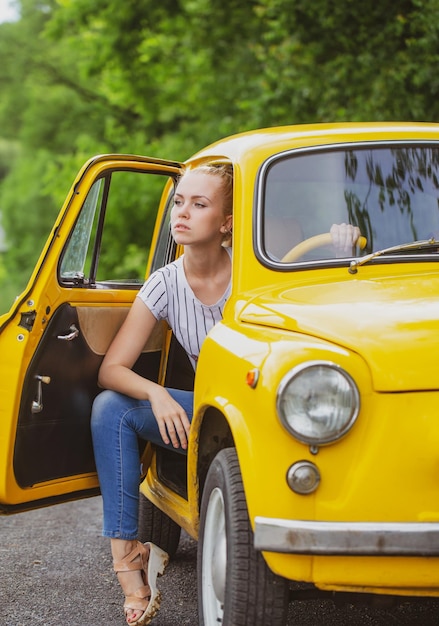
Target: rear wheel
<point>235,585</point>
<point>156,526</point>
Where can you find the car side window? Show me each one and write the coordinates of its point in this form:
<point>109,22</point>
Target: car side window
<point>74,259</point>
<point>111,240</point>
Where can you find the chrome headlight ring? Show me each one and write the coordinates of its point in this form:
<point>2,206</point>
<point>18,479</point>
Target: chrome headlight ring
<point>318,402</point>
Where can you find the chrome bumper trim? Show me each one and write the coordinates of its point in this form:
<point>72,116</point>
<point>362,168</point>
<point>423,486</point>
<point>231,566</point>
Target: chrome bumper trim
<point>347,538</point>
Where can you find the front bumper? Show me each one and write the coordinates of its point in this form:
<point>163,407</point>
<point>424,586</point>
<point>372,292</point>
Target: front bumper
<point>347,538</point>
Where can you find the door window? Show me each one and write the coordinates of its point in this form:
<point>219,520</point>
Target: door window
<point>112,236</point>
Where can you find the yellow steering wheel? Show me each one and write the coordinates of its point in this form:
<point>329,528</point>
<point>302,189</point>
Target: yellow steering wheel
<point>317,241</point>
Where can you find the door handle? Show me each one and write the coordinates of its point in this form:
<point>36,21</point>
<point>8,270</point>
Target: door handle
<point>74,332</point>
<point>37,404</point>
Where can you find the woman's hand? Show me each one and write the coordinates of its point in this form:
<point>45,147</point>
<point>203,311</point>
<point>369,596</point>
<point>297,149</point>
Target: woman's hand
<point>171,418</point>
<point>344,237</point>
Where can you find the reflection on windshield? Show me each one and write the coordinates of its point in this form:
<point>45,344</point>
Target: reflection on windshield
<point>391,194</point>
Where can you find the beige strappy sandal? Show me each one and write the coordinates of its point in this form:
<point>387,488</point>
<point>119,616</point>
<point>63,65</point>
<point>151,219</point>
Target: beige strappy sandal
<point>152,563</point>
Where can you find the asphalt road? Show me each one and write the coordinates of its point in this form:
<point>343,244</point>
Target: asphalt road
<point>55,569</point>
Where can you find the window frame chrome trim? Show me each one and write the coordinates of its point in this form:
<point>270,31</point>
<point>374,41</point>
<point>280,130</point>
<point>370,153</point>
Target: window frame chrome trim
<point>293,266</point>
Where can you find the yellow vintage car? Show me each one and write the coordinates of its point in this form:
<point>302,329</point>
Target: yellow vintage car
<point>314,449</point>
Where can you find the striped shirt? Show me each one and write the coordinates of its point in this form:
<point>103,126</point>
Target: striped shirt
<point>169,297</point>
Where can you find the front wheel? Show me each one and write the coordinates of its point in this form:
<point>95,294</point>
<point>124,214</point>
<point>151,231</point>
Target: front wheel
<point>235,585</point>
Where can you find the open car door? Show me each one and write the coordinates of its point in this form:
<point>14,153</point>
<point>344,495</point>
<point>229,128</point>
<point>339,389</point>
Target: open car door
<point>53,339</point>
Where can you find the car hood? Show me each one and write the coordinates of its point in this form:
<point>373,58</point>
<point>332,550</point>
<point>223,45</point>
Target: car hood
<point>393,323</point>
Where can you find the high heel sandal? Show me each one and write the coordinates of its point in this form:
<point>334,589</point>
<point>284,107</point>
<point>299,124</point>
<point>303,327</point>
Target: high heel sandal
<point>152,563</point>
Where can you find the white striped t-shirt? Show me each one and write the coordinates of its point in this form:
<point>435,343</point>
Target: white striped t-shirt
<point>169,297</point>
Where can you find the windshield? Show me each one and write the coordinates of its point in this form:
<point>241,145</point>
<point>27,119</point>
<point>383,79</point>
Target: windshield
<point>390,193</point>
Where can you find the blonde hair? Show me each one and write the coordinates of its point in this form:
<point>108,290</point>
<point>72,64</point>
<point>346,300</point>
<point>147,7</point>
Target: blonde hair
<point>225,172</point>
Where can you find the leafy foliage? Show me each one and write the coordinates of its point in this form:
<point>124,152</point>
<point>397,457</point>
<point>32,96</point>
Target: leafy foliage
<point>79,77</point>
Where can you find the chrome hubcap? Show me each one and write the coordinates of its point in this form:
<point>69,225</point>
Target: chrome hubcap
<point>214,562</point>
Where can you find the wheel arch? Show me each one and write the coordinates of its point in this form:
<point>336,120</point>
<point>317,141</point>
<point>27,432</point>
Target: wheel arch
<point>215,435</point>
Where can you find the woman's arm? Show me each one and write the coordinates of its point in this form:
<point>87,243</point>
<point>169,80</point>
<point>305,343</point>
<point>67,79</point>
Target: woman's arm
<point>116,374</point>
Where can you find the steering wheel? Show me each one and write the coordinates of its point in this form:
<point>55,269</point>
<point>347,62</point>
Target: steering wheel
<point>315,242</point>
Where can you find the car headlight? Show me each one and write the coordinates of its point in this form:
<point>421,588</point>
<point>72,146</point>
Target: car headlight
<point>318,402</point>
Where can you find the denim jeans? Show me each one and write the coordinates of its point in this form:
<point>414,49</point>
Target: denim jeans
<point>117,423</point>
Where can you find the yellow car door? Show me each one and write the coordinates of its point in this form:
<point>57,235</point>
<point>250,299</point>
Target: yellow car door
<point>53,339</point>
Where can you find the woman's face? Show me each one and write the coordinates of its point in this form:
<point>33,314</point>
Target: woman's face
<point>197,216</point>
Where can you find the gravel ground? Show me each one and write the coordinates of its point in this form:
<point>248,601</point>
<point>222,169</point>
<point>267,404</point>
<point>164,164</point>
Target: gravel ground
<point>55,569</point>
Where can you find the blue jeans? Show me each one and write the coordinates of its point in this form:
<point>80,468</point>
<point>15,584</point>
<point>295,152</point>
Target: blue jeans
<point>117,423</point>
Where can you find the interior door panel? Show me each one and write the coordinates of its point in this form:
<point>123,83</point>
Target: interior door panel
<point>53,436</point>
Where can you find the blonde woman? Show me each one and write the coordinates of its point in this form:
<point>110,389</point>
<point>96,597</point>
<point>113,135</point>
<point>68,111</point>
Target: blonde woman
<point>190,294</point>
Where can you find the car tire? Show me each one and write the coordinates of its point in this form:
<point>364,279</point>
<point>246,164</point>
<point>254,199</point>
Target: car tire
<point>235,585</point>
<point>156,526</point>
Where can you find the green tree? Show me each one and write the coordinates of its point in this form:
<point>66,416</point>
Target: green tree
<point>79,77</point>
